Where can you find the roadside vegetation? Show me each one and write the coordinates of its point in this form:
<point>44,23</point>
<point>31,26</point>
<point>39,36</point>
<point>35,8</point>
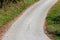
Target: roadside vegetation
<point>53,21</point>
<point>9,9</point>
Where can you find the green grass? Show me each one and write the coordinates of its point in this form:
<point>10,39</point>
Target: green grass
<point>9,13</point>
<point>57,38</point>
<point>53,21</point>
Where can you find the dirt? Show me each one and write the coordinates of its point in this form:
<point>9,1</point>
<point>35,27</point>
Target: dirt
<point>47,32</point>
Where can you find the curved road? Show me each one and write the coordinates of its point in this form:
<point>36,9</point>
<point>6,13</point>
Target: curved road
<point>29,26</point>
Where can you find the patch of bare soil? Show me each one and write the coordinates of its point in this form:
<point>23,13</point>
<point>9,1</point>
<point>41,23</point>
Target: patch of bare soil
<point>4,29</point>
<point>47,32</point>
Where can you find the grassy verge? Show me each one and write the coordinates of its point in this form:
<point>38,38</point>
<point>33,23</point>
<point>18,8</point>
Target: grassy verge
<point>53,21</point>
<point>9,13</point>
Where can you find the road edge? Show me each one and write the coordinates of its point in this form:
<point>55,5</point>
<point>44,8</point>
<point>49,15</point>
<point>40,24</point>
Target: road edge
<point>7,26</point>
<point>45,25</point>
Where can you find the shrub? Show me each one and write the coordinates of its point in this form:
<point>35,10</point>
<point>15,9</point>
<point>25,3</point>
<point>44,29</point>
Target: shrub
<point>6,2</point>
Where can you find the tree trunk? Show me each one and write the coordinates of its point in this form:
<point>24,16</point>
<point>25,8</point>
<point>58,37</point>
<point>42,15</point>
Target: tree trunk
<point>1,3</point>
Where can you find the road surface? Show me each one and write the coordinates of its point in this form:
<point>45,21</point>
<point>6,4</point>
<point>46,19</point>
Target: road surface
<point>30,25</point>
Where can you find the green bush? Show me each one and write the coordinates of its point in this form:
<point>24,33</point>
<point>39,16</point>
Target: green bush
<point>56,20</point>
<point>53,21</point>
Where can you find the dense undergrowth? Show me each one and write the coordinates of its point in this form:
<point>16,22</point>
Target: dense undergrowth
<point>53,21</point>
<point>9,11</point>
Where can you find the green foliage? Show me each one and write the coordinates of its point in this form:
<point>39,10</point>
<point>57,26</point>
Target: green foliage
<point>10,12</point>
<point>53,21</point>
<point>57,20</point>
